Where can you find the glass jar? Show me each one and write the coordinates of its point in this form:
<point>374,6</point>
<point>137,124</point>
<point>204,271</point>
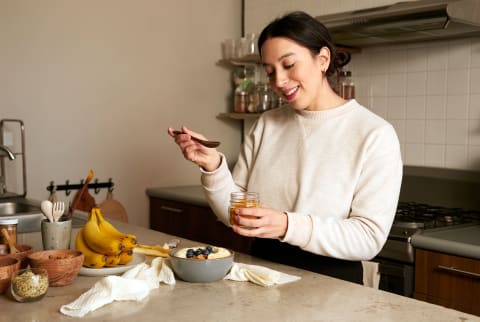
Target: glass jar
<point>241,99</point>
<point>265,97</point>
<point>11,226</point>
<point>242,199</point>
<point>347,87</point>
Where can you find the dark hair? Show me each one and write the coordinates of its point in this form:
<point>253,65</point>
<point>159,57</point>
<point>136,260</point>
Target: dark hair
<point>307,32</point>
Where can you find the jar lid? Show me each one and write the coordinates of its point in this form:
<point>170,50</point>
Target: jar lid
<point>8,221</point>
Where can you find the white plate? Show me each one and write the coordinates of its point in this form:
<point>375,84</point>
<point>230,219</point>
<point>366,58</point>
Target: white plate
<point>137,259</point>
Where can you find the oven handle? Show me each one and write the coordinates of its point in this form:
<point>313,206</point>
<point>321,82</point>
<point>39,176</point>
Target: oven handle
<point>458,271</point>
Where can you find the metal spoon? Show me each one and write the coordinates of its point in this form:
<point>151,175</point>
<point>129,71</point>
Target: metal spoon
<point>206,143</point>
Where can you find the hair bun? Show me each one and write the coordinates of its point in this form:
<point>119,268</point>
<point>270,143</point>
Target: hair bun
<point>342,57</point>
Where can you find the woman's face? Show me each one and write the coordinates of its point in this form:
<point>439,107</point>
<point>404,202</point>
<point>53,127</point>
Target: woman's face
<point>294,73</point>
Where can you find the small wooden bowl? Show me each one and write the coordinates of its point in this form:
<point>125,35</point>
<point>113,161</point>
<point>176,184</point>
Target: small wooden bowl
<point>62,265</point>
<point>25,250</point>
<point>8,266</point>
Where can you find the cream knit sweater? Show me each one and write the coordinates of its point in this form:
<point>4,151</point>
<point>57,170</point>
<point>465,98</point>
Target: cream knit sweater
<point>336,173</point>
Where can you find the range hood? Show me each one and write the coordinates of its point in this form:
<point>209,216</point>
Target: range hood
<point>411,21</point>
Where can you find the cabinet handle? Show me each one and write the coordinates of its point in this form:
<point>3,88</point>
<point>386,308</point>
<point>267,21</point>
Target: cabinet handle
<point>458,271</point>
<point>171,209</point>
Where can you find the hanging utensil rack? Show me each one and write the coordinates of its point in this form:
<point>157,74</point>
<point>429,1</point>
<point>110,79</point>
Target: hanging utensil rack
<point>68,187</point>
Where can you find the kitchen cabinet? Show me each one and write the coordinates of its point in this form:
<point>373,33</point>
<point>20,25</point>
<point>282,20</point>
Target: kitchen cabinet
<point>194,222</point>
<point>448,280</point>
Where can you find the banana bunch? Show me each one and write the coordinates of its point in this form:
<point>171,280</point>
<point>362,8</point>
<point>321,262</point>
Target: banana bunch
<point>102,244</point>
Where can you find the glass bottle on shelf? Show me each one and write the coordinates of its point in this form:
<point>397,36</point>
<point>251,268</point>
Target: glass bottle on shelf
<point>347,86</point>
<point>265,97</point>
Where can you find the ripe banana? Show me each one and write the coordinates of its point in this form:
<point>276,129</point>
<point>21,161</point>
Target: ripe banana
<point>99,240</point>
<point>113,260</point>
<point>92,259</point>
<point>150,250</point>
<point>128,240</point>
<point>126,257</point>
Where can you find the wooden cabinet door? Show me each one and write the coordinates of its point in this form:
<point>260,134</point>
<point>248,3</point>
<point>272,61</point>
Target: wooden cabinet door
<point>173,218</point>
<point>448,280</point>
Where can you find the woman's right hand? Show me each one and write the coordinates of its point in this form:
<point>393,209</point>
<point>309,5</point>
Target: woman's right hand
<point>207,158</point>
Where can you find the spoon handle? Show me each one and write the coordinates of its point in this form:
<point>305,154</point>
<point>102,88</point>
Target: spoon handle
<point>206,143</point>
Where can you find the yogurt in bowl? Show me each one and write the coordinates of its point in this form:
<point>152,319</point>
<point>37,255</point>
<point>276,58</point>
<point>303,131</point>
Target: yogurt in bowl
<point>201,264</point>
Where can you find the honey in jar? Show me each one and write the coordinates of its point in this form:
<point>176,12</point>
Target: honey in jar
<point>244,199</point>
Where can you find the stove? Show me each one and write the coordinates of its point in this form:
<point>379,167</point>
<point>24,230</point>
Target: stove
<point>396,259</point>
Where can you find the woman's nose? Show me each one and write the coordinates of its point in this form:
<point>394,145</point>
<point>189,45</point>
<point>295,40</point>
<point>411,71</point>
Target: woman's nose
<point>280,79</point>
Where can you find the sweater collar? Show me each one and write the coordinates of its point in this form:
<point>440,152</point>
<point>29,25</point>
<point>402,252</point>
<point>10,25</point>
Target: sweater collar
<point>328,114</point>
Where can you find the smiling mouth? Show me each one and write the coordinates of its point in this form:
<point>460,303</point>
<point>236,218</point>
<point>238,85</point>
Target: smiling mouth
<point>290,94</point>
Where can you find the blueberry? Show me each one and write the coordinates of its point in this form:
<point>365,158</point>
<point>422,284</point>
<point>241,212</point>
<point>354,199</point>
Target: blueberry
<point>209,248</point>
<point>198,251</point>
<point>206,251</point>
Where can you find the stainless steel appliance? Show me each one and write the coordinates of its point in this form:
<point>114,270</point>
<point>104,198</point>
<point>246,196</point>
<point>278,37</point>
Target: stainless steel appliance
<point>405,21</point>
<point>397,258</point>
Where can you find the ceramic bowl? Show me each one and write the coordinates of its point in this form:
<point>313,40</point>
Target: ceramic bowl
<point>25,250</point>
<point>8,266</point>
<point>62,265</point>
<point>29,285</point>
<point>200,270</point>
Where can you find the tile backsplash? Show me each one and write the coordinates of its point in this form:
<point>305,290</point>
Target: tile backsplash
<point>430,93</point>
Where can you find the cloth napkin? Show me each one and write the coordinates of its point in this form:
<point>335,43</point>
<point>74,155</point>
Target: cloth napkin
<point>259,275</point>
<point>134,285</point>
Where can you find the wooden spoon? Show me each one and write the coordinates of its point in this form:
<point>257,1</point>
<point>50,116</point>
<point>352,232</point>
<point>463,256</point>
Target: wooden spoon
<point>6,235</point>
<point>206,143</point>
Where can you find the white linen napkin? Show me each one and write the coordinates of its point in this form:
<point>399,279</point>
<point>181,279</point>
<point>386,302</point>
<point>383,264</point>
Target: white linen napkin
<point>259,275</point>
<point>134,285</point>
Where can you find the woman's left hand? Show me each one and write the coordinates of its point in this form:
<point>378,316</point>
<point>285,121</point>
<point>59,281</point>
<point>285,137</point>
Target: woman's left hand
<point>260,222</point>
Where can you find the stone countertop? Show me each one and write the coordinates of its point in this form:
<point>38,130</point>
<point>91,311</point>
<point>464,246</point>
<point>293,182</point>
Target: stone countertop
<point>187,194</point>
<point>314,297</point>
<point>461,240</point>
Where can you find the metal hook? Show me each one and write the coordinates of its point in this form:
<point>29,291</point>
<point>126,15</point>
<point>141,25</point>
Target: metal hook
<point>67,191</point>
<point>50,187</point>
<point>97,189</point>
<point>110,185</point>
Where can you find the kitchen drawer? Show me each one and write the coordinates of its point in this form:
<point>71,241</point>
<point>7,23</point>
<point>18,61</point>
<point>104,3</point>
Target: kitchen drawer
<point>448,280</point>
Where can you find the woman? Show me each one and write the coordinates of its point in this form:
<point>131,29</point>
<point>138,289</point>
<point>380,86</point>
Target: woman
<point>329,170</point>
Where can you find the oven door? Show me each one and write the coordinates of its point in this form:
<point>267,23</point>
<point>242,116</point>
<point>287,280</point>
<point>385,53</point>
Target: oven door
<point>396,277</point>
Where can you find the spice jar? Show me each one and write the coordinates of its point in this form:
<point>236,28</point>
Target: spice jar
<point>243,199</point>
<point>242,92</point>
<point>11,226</point>
<point>265,97</point>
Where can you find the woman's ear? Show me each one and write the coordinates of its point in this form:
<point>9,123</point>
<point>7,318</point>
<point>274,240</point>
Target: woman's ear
<point>324,58</point>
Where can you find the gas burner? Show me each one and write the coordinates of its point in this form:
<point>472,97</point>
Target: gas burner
<point>411,215</point>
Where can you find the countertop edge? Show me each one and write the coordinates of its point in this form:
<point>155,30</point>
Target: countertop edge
<point>446,246</point>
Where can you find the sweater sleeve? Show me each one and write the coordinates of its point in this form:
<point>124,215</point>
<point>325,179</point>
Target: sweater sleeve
<point>363,233</point>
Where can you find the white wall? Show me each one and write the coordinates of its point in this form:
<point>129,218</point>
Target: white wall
<point>97,83</point>
<point>428,91</point>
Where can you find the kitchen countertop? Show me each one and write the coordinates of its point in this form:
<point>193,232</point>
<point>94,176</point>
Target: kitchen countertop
<point>314,297</point>
<point>187,194</point>
<point>458,240</point>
